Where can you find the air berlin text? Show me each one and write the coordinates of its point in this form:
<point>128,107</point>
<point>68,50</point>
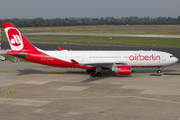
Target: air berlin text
<point>144,57</point>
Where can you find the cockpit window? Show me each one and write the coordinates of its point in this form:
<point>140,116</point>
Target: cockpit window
<point>171,56</point>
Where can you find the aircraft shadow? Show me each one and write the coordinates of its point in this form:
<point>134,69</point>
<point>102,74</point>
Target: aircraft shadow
<point>89,79</point>
<point>104,75</point>
<point>34,71</point>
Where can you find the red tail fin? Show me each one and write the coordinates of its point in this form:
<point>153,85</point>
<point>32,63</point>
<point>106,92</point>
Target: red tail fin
<point>16,40</point>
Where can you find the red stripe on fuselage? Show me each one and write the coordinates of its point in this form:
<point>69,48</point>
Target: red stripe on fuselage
<point>42,58</point>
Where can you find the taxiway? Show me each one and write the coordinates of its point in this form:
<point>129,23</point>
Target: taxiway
<point>30,91</point>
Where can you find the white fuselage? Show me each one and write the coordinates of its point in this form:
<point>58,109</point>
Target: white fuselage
<point>133,58</point>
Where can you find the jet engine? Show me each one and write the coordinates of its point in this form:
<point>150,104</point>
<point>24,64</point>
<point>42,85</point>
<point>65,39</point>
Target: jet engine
<point>123,70</point>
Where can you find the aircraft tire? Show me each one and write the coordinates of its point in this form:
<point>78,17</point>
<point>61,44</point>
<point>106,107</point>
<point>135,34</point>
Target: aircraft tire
<point>89,71</point>
<point>93,74</point>
<point>158,71</point>
<point>99,74</point>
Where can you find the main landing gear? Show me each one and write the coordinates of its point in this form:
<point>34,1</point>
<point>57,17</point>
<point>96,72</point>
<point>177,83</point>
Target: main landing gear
<point>94,73</point>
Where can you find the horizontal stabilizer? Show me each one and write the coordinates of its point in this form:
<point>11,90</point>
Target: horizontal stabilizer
<point>19,54</point>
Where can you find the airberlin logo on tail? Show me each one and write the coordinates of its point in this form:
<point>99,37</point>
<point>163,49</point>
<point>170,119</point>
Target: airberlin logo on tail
<point>15,39</point>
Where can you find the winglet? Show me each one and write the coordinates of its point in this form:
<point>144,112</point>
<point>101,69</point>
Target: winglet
<point>74,62</point>
<point>60,48</point>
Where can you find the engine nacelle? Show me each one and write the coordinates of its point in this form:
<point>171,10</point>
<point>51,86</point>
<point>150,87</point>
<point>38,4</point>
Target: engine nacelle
<point>123,70</point>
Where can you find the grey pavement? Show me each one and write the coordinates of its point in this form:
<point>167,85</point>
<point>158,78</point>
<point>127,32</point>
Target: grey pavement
<point>30,91</point>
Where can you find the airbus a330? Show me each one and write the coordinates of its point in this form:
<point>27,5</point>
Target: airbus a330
<point>121,62</point>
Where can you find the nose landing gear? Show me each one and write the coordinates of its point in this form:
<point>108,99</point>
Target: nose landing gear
<point>159,70</point>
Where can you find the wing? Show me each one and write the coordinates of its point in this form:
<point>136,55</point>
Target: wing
<point>105,64</point>
<point>100,64</point>
<point>121,68</point>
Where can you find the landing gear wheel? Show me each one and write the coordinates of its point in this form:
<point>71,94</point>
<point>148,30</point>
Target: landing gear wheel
<point>89,71</point>
<point>93,74</point>
<point>158,71</point>
<point>99,74</point>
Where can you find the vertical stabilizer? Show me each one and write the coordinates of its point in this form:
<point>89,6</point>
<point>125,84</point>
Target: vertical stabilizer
<point>16,40</point>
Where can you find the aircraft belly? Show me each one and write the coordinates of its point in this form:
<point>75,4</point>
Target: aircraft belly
<point>145,63</point>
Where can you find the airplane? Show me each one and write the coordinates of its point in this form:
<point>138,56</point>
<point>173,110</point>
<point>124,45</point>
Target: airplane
<point>121,62</point>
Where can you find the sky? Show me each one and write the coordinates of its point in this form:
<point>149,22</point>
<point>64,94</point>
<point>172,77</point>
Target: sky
<point>48,9</point>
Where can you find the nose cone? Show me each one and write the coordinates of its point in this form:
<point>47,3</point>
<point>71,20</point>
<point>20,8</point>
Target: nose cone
<point>176,59</point>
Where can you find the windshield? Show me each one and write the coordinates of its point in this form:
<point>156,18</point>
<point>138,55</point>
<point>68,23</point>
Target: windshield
<point>171,56</point>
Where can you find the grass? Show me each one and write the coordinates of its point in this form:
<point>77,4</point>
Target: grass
<point>108,41</point>
<point>105,41</point>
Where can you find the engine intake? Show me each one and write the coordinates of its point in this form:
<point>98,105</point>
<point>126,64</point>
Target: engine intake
<point>123,70</point>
